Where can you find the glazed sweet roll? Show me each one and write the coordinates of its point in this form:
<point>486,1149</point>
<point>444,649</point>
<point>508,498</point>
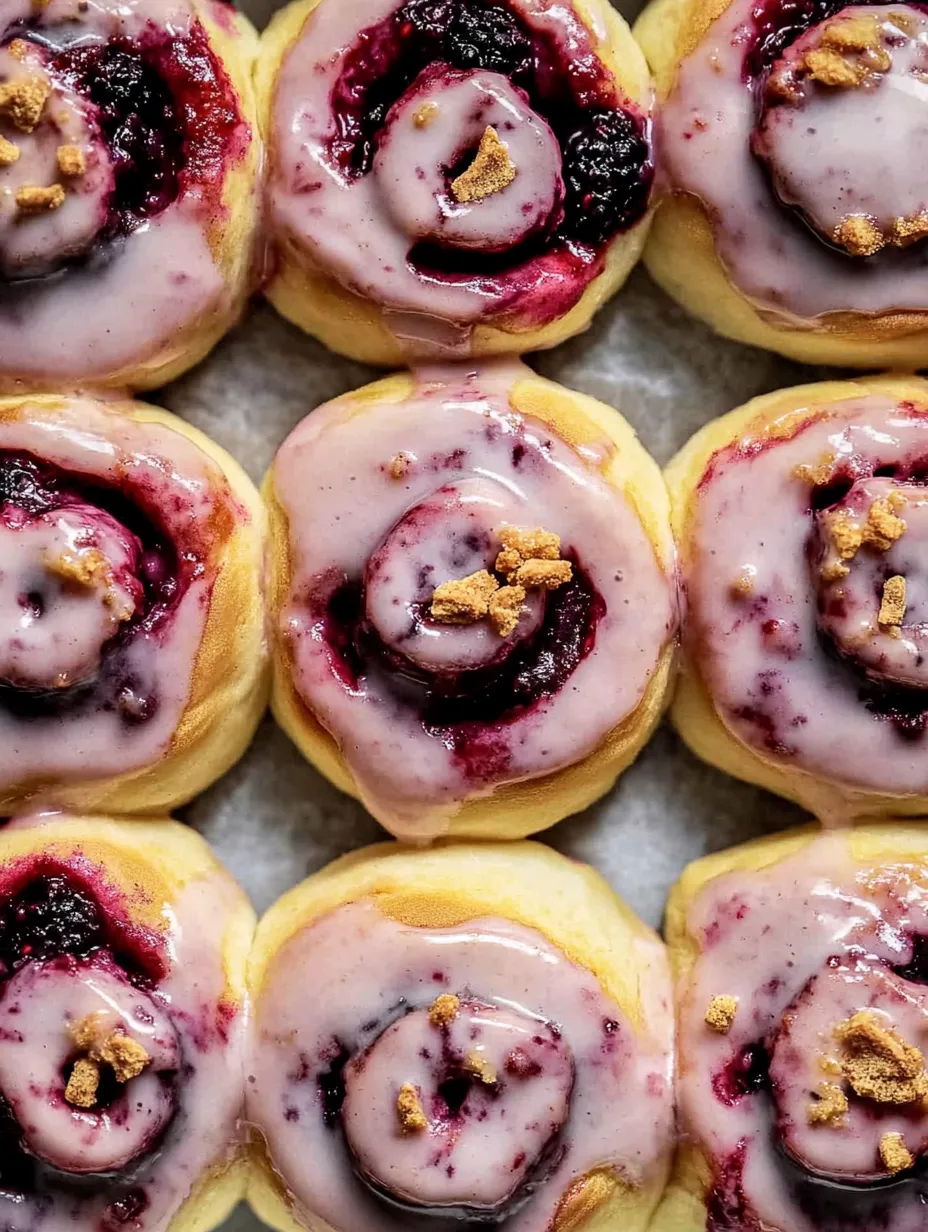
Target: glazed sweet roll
<point>793,215</point>
<point>128,188</point>
<point>473,599</point>
<point>800,518</point>
<point>122,962</point>
<point>479,1032</point>
<point>803,1011</point>
<point>132,645</point>
<point>452,178</point>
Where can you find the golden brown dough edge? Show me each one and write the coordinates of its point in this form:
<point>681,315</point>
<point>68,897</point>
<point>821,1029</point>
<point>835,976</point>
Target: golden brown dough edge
<point>568,902</point>
<point>693,712</point>
<point>517,809</point>
<point>681,254</point>
<point>354,326</point>
<point>230,681</point>
<point>232,236</point>
<point>158,858</point>
<point>683,1206</point>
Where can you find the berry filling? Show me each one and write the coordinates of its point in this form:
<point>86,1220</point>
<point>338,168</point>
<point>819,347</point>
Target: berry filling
<point>86,571</point>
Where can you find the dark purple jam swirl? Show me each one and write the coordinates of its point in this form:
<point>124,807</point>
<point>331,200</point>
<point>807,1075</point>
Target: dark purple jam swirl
<point>605,141</point>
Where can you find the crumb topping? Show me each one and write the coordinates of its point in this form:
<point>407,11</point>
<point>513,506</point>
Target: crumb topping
<point>892,606</point>
<point>506,608</point>
<point>878,1064</point>
<point>409,1110</point>
<point>23,101</point>
<point>860,235</point>
<point>818,473</point>
<point>848,535</point>
<point>81,1091</point>
<point>520,546</point>
<point>859,32</point>
<point>424,115</point>
<point>444,1009</point>
<point>829,68</point>
<point>491,171</point>
<point>828,1107</point>
<point>88,568</point>
<point>543,574</point>
<point>721,1014</point>
<point>884,526</point>
<point>18,49</point>
<point>894,1154</point>
<point>33,199</point>
<point>480,1067</point>
<point>909,230</point>
<point>399,465</point>
<point>9,152</point>
<point>71,161</point>
<point>464,601</point>
<point>743,585</point>
<point>101,1046</point>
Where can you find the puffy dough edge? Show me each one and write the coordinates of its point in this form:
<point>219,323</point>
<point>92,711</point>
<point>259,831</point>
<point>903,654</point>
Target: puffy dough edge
<point>517,809</point>
<point>353,325</point>
<point>229,684</point>
<point>693,712</point>
<point>683,1206</point>
<point>570,903</point>
<point>681,255</point>
<point>161,857</point>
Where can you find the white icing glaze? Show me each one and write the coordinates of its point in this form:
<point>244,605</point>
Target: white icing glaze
<point>350,519</point>
<point>181,489</point>
<point>361,230</point>
<point>193,998</point>
<point>759,654</point>
<point>838,152</point>
<point>762,937</point>
<point>135,294</point>
<point>350,974</point>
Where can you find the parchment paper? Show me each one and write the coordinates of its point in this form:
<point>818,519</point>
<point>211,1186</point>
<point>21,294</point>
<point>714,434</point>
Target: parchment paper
<point>273,820</point>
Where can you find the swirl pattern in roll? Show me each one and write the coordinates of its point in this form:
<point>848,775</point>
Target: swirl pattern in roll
<point>432,1041</point>
<point>128,168</point>
<point>794,216</point>
<point>473,598</point>
<point>452,178</point>
<point>800,523</point>
<point>122,953</point>
<point>132,648</point>
<point>803,1011</point>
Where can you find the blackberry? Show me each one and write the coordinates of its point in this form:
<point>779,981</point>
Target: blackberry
<point>49,917</point>
<point>607,176</point>
<point>428,19</point>
<point>488,37</point>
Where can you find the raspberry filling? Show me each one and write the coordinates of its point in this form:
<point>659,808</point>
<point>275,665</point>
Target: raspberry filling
<point>70,961</point>
<point>85,572</point>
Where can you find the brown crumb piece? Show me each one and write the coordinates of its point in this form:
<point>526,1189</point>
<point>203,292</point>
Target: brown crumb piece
<point>399,465</point>
<point>424,115</point>
<point>491,171</point>
<point>506,608</point>
<point>464,601</point>
<point>892,606</point>
<point>859,235</point>
<point>9,152</point>
<point>409,1110</point>
<point>481,1068</point>
<point>18,49</point>
<point>522,545</point>
<point>23,101</point>
<point>88,568</point>
<point>444,1009</point>
<point>830,68</point>
<point>878,1064</point>
<point>883,526</point>
<point>846,534</point>
<point>33,199</point>
<point>71,161</point>
<point>860,32</point>
<point>908,231</point>
<point>81,1091</point>
<point>543,574</point>
<point>743,585</point>
<point>124,1055</point>
<point>828,1107</point>
<point>894,1154</point>
<point>817,474</point>
<point>721,1014</point>
<point>834,571</point>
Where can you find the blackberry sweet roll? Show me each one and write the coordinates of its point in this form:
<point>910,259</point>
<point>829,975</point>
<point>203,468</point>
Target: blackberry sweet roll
<point>129,164</point>
<point>479,1035</point>
<point>132,642</point>
<point>473,598</point>
<point>452,178</point>
<point>800,520</point>
<point>122,961</point>
<point>802,997</point>
<point>793,213</point>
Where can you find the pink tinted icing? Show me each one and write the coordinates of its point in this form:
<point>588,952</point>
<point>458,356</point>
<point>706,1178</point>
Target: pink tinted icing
<point>338,986</point>
<point>62,641</point>
<point>802,945</point>
<point>126,297</point>
<point>799,668</point>
<point>473,466</point>
<point>835,153</point>
<point>192,1019</point>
